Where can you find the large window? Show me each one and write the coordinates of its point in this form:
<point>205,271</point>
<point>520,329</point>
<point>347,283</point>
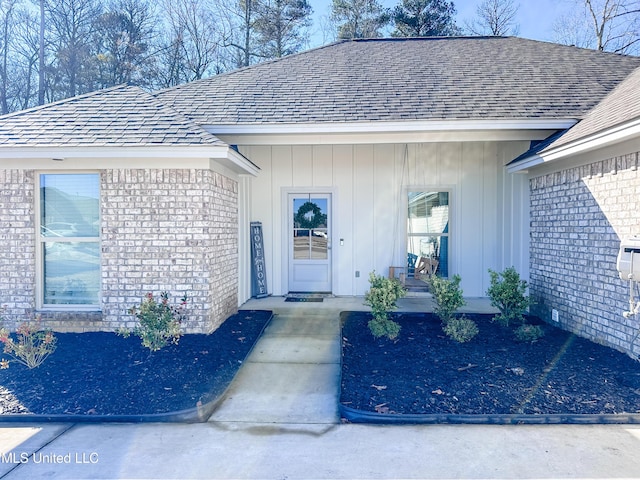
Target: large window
<point>428,229</point>
<point>69,240</point>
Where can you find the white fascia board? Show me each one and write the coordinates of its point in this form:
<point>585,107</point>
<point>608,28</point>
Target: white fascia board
<point>601,139</point>
<point>583,145</point>
<point>523,165</point>
<point>144,156</point>
<point>114,151</point>
<point>390,127</point>
<point>239,164</point>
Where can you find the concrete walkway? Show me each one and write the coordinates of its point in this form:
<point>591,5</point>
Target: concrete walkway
<point>292,374</point>
<point>279,421</point>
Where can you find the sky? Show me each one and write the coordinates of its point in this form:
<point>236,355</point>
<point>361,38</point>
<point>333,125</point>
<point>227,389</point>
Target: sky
<point>535,17</point>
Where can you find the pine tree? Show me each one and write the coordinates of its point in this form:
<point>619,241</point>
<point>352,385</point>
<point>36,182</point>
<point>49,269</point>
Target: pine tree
<point>424,18</point>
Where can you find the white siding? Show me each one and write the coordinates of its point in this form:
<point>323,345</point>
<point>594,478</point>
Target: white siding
<point>513,223</point>
<point>369,184</point>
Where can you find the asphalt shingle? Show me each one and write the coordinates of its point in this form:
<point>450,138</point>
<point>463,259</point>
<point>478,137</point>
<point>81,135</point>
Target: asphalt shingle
<point>619,107</point>
<point>408,79</point>
<point>119,116</point>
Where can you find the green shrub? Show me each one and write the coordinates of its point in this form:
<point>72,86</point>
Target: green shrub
<point>384,328</point>
<point>529,333</point>
<point>447,295</point>
<point>508,294</point>
<point>382,297</point>
<point>448,298</point>
<point>461,329</point>
<point>158,322</point>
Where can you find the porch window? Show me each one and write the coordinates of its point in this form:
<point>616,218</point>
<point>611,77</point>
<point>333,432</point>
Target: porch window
<point>69,240</point>
<point>428,221</point>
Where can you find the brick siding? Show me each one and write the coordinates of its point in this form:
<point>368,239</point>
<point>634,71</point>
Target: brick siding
<point>174,231</point>
<point>162,230</point>
<point>578,217</point>
<point>17,245</point>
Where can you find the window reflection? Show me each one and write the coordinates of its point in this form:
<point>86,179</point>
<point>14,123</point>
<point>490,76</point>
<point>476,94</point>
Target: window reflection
<point>69,205</point>
<point>71,273</point>
<point>428,231</point>
<point>310,232</point>
<point>70,239</point>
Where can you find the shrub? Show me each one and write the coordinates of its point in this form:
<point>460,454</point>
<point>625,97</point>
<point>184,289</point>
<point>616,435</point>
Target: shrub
<point>447,295</point>
<point>31,345</point>
<point>508,294</point>
<point>382,297</point>
<point>529,333</point>
<point>159,322</point>
<point>461,329</point>
<point>384,328</point>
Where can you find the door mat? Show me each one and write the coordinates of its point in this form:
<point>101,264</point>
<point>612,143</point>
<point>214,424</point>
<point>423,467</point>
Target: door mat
<point>303,299</point>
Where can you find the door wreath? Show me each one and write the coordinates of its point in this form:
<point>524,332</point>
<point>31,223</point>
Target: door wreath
<point>309,215</point>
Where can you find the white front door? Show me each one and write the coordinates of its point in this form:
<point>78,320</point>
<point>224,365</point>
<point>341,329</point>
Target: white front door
<point>309,219</point>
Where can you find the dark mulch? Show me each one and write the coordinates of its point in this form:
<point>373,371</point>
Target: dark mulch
<point>425,372</point>
<point>105,374</point>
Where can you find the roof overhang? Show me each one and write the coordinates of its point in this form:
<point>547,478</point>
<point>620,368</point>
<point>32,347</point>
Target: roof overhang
<point>385,132</point>
<point>605,138</point>
<point>143,156</point>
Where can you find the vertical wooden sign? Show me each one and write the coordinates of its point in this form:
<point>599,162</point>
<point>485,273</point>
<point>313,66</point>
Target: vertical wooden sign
<point>258,266</point>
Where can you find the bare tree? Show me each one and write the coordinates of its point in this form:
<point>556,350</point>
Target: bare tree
<point>495,17</point>
<point>26,59</point>
<point>19,49</point>
<point>122,41</point>
<point>189,49</point>
<point>606,25</point>
<point>247,7</point>
<point>41,54</point>
<point>327,28</point>
<point>615,24</point>
<point>73,23</point>
<point>237,20</point>
<point>573,29</point>
<point>7,24</point>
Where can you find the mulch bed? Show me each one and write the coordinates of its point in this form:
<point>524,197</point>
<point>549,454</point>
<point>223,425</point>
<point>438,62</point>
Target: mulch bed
<point>425,372</point>
<point>105,374</point>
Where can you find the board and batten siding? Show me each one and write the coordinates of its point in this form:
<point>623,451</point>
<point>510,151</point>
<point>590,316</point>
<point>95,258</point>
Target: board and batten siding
<point>369,185</point>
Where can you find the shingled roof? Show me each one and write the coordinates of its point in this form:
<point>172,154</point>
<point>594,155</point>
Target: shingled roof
<point>408,79</point>
<point>119,116</point>
<point>619,107</point>
<point>615,112</point>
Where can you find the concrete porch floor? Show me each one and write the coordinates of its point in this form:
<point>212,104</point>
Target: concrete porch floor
<point>413,302</point>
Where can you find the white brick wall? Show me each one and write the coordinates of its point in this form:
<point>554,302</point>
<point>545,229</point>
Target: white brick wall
<point>174,231</point>
<point>162,230</point>
<point>578,217</point>
<point>17,245</point>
